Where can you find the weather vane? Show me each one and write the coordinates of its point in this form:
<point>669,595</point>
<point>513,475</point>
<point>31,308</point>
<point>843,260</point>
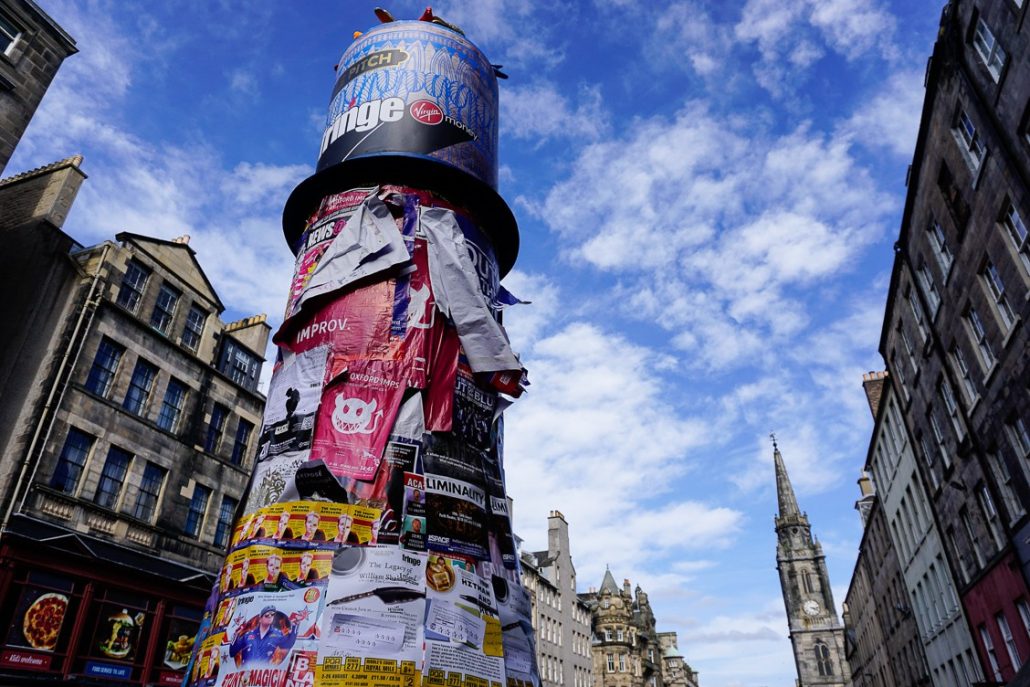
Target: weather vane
<point>772,435</point>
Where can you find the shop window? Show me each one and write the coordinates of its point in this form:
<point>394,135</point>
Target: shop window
<point>45,606</point>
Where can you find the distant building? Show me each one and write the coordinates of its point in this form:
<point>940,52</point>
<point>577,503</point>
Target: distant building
<point>561,620</point>
<point>127,430</point>
<point>954,335</point>
<point>816,635</point>
<point>32,48</point>
<point>907,533</point>
<point>626,648</point>
<point>882,639</point>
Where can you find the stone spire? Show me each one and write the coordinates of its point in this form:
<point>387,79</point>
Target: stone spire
<point>784,492</point>
<point>608,583</point>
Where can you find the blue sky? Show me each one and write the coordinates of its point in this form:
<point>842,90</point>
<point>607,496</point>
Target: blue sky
<point>707,194</point>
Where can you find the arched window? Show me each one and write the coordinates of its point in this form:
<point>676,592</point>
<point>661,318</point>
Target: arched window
<point>822,658</point>
<point>806,580</point>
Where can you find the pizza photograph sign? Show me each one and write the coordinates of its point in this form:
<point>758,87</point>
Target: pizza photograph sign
<point>37,624</point>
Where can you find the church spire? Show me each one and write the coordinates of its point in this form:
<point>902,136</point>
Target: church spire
<point>784,492</point>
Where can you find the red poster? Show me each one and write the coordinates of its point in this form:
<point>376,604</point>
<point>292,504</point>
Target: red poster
<point>356,416</point>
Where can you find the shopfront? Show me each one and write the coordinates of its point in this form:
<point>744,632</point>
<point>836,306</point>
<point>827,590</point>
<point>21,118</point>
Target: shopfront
<point>79,609</point>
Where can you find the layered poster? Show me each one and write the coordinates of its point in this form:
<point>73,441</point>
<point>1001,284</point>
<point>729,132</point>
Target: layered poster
<point>463,630</point>
<point>372,624</point>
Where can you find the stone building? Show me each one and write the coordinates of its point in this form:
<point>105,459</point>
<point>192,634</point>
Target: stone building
<point>882,640</point>
<point>127,430</point>
<point>954,335</point>
<point>32,48</point>
<point>560,618</point>
<point>816,635</point>
<point>906,533</point>
<point>627,650</point>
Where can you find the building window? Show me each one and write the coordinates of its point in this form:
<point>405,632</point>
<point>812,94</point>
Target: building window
<point>974,542</point>
<point>950,406</point>
<point>239,365</point>
<point>822,658</point>
<point>164,308</point>
<point>194,328</point>
<point>968,385</point>
<point>989,50</point>
<point>1024,614</point>
<point>239,444</point>
<point>133,283</point>
<point>997,290</point>
<point>938,436</point>
<point>225,516</point>
<point>611,663</point>
<point>939,243</point>
<point>71,461</point>
<point>198,507</point>
<point>969,139</point>
<point>929,288</point>
<point>1018,437</point>
<point>1009,640</point>
<point>1003,477</point>
<point>963,564</point>
<point>806,581</point>
<point>607,635</point>
<point>990,514</point>
<point>105,366</point>
<point>619,635</point>
<point>976,330</point>
<point>8,34</point>
<point>605,603</point>
<point>1016,229</point>
<point>171,409</point>
<point>139,388</point>
<point>985,638</point>
<point>899,372</point>
<point>149,492</point>
<point>213,439</point>
<point>622,663</point>
<point>112,477</point>
<point>917,313</point>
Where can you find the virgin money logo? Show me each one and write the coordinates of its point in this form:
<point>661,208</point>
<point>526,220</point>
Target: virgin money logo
<point>427,112</point>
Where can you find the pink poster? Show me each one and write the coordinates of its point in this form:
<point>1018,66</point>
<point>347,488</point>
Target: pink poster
<point>356,415</point>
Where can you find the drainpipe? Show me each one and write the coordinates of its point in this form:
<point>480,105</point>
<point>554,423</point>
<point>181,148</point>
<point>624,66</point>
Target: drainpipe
<point>56,393</point>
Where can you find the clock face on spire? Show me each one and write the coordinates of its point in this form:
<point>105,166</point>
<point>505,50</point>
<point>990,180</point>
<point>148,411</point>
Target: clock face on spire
<point>811,607</point>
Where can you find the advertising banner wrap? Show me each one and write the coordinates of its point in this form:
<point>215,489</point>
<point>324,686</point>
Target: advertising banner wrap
<point>374,547</point>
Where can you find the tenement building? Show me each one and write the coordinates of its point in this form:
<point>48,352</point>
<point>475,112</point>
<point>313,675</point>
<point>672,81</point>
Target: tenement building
<point>127,430</point>
<point>32,48</point>
<point>816,635</point>
<point>905,537</point>
<point>627,650</point>
<point>954,335</point>
<point>882,640</point>
<point>560,618</point>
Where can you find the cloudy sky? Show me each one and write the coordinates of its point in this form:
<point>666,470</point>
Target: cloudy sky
<point>707,194</point>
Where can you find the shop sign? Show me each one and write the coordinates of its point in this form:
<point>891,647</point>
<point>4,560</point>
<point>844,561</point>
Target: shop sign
<point>25,660</point>
<point>108,670</point>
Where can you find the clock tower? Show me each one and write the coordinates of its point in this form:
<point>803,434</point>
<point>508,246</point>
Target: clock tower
<point>816,634</point>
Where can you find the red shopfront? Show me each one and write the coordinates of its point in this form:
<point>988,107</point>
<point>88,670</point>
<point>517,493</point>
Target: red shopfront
<point>90,612</point>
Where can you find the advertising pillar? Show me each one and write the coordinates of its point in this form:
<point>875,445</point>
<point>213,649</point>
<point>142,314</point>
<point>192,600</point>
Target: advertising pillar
<point>375,547</point>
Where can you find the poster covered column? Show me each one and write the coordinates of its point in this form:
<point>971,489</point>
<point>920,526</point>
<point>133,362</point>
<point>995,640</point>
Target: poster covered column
<point>375,546</point>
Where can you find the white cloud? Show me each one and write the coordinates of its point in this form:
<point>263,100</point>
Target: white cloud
<point>600,441</point>
<point>890,119</point>
<point>792,36</point>
<point>540,111</point>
